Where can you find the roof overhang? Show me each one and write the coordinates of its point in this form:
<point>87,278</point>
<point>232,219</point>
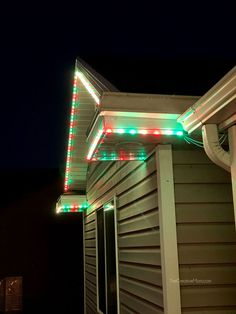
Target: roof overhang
<point>71,203</point>
<point>217,106</point>
<point>108,125</point>
<point>88,88</point>
<point>129,126</point>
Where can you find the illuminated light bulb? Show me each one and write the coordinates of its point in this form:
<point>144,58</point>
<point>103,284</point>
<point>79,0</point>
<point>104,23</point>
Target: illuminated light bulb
<point>144,132</point>
<point>168,132</point>
<point>120,131</point>
<point>156,132</point>
<point>108,207</point>
<point>132,131</point>
<point>179,133</point>
<point>108,131</point>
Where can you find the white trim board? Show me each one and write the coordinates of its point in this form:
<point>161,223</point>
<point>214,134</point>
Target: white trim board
<point>168,237</point>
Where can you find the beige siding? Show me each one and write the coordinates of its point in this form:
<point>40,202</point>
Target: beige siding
<point>135,185</point>
<point>90,263</point>
<point>206,235</point>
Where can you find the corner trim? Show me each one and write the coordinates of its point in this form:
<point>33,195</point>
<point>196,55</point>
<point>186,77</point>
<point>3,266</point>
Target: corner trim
<point>168,236</point>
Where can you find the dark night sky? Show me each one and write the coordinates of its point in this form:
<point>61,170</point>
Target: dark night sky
<point>174,49</point>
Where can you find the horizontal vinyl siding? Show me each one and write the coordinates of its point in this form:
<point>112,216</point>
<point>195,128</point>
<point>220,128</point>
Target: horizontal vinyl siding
<point>90,263</point>
<point>135,185</point>
<point>205,233</point>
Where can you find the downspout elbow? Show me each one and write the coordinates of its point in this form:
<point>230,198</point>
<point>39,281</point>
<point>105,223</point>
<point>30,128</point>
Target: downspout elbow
<point>213,147</point>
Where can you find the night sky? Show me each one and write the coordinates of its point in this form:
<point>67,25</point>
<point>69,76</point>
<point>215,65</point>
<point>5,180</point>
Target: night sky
<point>167,49</point>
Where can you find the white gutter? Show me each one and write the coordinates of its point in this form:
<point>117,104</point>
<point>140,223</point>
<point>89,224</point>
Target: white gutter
<point>218,97</point>
<point>232,147</point>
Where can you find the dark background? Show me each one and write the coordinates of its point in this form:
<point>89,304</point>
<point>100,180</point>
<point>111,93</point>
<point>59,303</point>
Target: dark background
<point>172,48</point>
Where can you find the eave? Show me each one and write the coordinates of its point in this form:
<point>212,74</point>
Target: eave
<point>84,105</point>
<point>128,126</point>
<point>217,106</point>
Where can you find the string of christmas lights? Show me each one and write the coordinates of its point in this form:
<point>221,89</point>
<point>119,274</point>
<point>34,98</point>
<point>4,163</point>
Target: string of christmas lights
<point>72,208</point>
<point>99,139</point>
<point>68,180</point>
<point>134,131</point>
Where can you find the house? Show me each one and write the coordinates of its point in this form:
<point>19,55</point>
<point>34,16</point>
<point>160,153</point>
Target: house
<point>156,182</point>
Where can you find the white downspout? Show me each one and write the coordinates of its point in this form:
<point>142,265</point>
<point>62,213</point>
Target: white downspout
<point>219,156</point>
<point>213,148</point>
<point>232,149</point>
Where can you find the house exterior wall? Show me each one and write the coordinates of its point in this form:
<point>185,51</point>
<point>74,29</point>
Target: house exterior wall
<point>135,186</point>
<point>205,234</point>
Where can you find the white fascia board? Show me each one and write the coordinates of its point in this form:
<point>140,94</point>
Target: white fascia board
<point>149,115</point>
<point>141,122</point>
<point>217,98</point>
<point>146,103</point>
